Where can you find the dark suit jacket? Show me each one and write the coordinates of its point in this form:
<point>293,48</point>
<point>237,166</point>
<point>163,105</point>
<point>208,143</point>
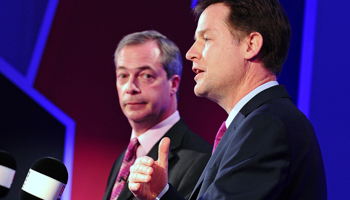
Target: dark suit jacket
<point>188,155</point>
<point>269,151</point>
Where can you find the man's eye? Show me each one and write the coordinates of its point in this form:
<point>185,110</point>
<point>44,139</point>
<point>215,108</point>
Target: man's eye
<point>147,76</point>
<point>121,76</point>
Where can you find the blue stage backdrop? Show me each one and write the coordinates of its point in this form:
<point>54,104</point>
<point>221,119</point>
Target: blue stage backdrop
<point>329,96</point>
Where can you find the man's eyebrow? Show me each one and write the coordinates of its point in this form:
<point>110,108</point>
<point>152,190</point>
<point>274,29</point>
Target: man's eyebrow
<point>120,67</point>
<point>140,68</point>
<point>201,33</point>
<point>144,67</point>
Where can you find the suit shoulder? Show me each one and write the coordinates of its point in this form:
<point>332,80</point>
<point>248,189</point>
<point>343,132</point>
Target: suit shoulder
<point>183,137</point>
<point>195,142</point>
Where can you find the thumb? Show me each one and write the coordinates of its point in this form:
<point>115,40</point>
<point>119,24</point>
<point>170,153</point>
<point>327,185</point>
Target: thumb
<point>163,152</point>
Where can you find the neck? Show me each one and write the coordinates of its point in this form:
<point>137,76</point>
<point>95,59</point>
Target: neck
<point>255,77</point>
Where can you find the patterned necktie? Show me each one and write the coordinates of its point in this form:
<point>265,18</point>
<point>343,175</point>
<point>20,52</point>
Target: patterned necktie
<point>219,135</point>
<point>129,159</point>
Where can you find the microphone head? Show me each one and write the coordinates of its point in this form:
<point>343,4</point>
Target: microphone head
<point>7,172</point>
<point>51,167</point>
<point>46,179</point>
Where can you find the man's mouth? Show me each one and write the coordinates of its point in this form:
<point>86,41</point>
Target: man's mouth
<point>197,71</point>
<point>135,103</point>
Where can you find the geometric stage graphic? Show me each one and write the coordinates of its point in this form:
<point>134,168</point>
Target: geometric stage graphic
<point>25,26</point>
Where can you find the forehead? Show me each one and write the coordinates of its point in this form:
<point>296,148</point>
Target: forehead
<point>213,19</point>
<point>140,55</point>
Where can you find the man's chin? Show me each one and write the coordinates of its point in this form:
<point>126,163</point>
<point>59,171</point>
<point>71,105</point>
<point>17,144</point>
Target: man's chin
<point>136,120</point>
<point>134,116</point>
<point>198,92</point>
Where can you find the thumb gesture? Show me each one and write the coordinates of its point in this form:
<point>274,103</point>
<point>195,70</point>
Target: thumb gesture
<point>163,152</point>
<point>147,177</point>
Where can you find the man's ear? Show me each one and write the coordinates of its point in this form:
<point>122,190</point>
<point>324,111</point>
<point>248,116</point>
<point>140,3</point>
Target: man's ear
<point>254,43</point>
<point>174,82</point>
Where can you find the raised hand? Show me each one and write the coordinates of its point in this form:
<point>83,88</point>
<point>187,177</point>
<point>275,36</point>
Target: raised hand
<point>148,177</point>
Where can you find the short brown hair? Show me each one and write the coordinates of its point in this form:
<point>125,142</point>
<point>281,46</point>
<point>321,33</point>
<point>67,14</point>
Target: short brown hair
<point>267,17</point>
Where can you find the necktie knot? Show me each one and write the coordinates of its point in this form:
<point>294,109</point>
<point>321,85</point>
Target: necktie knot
<point>134,143</point>
<point>132,148</point>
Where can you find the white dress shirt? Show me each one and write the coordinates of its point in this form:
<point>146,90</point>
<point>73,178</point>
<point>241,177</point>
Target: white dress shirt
<point>246,99</point>
<point>149,138</point>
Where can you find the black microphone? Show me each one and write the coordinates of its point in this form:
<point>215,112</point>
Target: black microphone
<point>46,179</point>
<point>7,172</point>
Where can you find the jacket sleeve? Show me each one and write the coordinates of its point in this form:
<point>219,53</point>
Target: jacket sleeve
<point>172,194</point>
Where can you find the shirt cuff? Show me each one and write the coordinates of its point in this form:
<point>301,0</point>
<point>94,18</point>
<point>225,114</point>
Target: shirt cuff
<point>161,194</point>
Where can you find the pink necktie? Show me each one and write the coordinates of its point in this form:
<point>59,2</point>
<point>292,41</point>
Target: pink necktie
<point>129,159</point>
<point>219,135</point>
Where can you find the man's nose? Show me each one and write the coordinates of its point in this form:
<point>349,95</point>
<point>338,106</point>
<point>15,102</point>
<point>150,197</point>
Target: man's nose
<point>132,86</point>
<point>193,53</point>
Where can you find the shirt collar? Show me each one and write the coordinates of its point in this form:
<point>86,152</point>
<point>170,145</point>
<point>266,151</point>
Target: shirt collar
<point>149,138</point>
<point>246,99</point>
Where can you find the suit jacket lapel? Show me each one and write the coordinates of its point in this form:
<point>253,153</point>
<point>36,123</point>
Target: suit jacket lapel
<point>278,91</point>
<point>198,190</point>
<point>175,133</point>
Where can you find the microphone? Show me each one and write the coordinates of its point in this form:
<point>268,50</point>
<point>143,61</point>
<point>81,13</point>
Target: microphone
<point>46,179</point>
<point>7,172</point>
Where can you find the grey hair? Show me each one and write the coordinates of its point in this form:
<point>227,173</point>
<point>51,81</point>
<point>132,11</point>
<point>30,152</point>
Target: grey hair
<point>170,53</point>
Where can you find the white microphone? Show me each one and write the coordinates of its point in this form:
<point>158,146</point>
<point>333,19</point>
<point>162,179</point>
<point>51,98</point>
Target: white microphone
<point>7,172</point>
<point>46,180</point>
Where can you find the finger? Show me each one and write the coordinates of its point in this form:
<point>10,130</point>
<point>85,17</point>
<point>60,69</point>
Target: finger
<point>137,160</point>
<point>163,152</point>
<point>133,187</point>
<point>142,169</point>
<point>144,160</point>
<point>139,178</point>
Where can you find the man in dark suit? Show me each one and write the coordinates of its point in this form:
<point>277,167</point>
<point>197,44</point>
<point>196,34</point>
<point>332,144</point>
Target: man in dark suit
<point>269,150</point>
<point>148,71</point>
